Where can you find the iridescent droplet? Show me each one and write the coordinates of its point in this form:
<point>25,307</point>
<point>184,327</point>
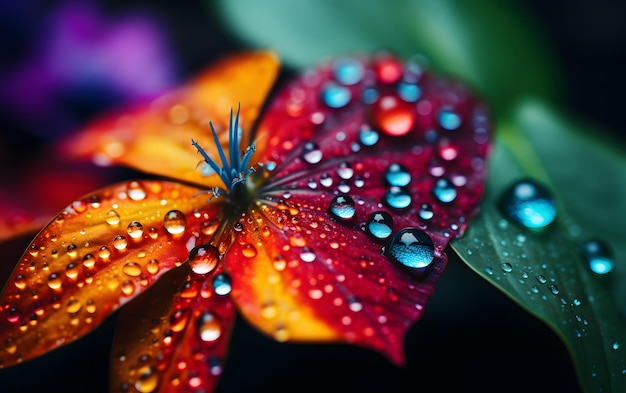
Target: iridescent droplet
<point>335,96</point>
<point>412,248</point>
<point>208,327</point>
<point>528,204</point>
<point>222,284</point>
<point>599,256</point>
<point>311,153</point>
<point>203,258</point>
<point>175,222</point>
<point>379,225</point>
<point>397,175</point>
<point>444,191</point>
<point>397,198</point>
<point>342,207</point>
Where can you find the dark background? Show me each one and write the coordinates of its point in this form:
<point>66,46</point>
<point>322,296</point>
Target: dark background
<point>471,337</point>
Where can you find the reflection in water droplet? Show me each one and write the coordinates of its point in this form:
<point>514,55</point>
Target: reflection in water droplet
<point>397,197</point>
<point>379,225</point>
<point>599,256</point>
<point>311,153</point>
<point>209,328</point>
<point>175,222</point>
<point>222,284</point>
<point>444,191</point>
<point>411,247</point>
<point>529,204</point>
<point>342,207</point>
<point>397,175</point>
<point>203,259</point>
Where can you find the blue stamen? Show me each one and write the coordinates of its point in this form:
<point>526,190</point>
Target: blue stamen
<point>236,171</point>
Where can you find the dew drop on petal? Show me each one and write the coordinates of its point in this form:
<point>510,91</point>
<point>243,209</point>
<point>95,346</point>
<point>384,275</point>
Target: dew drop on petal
<point>397,198</point>
<point>132,269</point>
<point>136,191</point>
<point>148,380</point>
<point>412,248</point>
<point>449,119</point>
<point>599,256</point>
<point>348,71</point>
<point>368,137</point>
<point>426,212</point>
<point>203,258</point>
<point>112,217</point>
<point>175,222</point>
<point>345,171</point>
<point>55,281</point>
<point>335,96</point>
<point>119,242</point>
<point>529,204</point>
<point>209,328</point>
<point>222,284</point>
<point>311,153</point>
<point>342,207</point>
<point>393,117</point>
<point>249,251</point>
<point>409,92</point>
<point>135,229</point>
<point>444,191</point>
<point>379,225</point>
<point>397,175</point>
<point>153,266</point>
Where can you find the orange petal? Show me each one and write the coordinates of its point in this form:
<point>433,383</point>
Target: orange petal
<point>100,252</point>
<point>300,276</point>
<point>156,137</point>
<point>174,337</point>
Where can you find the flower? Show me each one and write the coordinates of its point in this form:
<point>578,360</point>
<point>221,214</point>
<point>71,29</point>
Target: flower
<point>328,224</point>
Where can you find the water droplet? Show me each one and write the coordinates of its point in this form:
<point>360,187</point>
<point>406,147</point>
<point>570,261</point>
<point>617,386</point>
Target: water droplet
<point>136,191</point>
<point>426,212</point>
<point>449,120</point>
<point>506,267</point>
<point>397,197</point>
<point>307,255</point>
<point>554,289</point>
<point>20,281</point>
<point>104,252</point>
<point>112,217</point>
<point>127,287</point>
<point>345,171</point>
<point>348,71</point>
<point>249,251</point>
<point>203,259</point>
<point>175,222</point>
<point>132,269</point>
<point>542,279</point>
<point>135,230</point>
<point>222,284</point>
<point>153,266</point>
<point>148,380</point>
<point>342,207</point>
<point>615,345</point>
<point>379,225</point>
<point>444,191</point>
<point>311,153</point>
<point>54,281</point>
<point>393,116</point>
<point>599,256</point>
<point>397,175</point>
<point>209,328</point>
<point>326,180</point>
<point>119,242</point>
<point>409,92</point>
<point>73,306</point>
<point>335,96</point>
<point>411,247</point>
<point>529,204</point>
<point>367,136</point>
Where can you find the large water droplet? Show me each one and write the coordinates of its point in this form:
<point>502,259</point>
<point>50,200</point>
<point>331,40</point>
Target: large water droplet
<point>342,207</point>
<point>393,117</point>
<point>444,191</point>
<point>412,248</point>
<point>204,258</point>
<point>397,175</point>
<point>379,225</point>
<point>529,204</point>
<point>311,153</point>
<point>599,256</point>
<point>397,197</point>
<point>222,284</point>
<point>209,328</point>
<point>175,222</point>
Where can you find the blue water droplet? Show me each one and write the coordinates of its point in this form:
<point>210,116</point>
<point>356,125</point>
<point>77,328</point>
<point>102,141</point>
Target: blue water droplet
<point>426,212</point>
<point>529,204</point>
<point>412,248</point>
<point>348,71</point>
<point>599,256</point>
<point>444,191</point>
<point>335,96</point>
<point>368,137</point>
<point>311,153</point>
<point>397,175</point>
<point>370,96</point>
<point>379,225</point>
<point>398,197</point>
<point>409,92</point>
<point>449,119</point>
<point>222,284</point>
<point>342,207</point>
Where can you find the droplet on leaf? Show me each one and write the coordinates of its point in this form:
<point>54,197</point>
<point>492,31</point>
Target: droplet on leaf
<point>598,255</point>
<point>528,204</point>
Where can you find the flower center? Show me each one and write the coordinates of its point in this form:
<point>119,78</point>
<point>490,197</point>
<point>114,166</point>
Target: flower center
<point>235,170</point>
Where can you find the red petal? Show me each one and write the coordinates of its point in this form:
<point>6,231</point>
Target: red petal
<point>174,337</point>
<point>156,138</point>
<point>100,252</point>
<point>412,146</point>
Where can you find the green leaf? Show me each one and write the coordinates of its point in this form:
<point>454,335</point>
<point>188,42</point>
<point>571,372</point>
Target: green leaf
<point>546,272</point>
<point>489,44</point>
